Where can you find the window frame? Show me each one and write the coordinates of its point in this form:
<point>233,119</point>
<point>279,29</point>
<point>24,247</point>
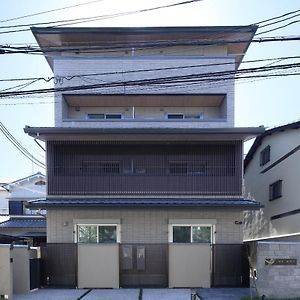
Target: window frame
<point>189,166</point>
<point>118,232</point>
<point>212,231</point>
<point>265,156</point>
<point>100,166</point>
<point>175,115</point>
<point>106,116</point>
<point>273,187</point>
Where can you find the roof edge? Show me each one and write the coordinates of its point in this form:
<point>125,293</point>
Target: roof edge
<point>259,139</point>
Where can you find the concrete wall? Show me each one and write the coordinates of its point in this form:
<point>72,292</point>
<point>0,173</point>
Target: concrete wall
<point>66,67</point>
<point>280,281</point>
<point>6,272</point>
<point>258,223</point>
<point>21,269</point>
<point>143,225</point>
<point>98,266</point>
<point>189,265</point>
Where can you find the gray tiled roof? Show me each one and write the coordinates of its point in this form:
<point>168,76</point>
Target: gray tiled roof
<point>24,223</point>
<point>144,202</point>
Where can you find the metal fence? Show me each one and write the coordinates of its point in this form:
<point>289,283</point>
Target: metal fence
<point>144,265</point>
<point>230,266</point>
<point>59,265</point>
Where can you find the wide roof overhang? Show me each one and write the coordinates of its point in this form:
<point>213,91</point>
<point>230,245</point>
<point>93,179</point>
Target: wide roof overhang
<point>236,38</point>
<point>143,134</point>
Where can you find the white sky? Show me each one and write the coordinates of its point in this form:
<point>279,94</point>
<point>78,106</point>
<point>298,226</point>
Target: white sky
<point>268,102</point>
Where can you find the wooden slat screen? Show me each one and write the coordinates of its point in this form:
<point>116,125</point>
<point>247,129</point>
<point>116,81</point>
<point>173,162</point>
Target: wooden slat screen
<point>95,168</point>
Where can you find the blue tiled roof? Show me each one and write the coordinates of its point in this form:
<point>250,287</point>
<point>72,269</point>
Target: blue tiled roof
<point>24,223</point>
<point>144,202</point>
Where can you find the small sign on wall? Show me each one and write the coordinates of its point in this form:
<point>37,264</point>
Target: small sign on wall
<point>280,261</point>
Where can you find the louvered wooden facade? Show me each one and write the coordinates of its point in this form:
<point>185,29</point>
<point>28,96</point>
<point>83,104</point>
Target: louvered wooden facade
<point>98,168</point>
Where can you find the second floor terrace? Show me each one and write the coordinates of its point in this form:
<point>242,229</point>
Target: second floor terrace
<point>174,110</point>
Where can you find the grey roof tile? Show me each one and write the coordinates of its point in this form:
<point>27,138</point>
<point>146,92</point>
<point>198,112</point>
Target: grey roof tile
<point>144,202</point>
<point>24,223</point>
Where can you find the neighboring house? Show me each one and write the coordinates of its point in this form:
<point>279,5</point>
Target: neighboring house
<point>144,177</point>
<point>24,222</point>
<point>3,200</point>
<point>272,172</point>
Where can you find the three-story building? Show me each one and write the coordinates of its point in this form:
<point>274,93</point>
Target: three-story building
<point>144,164</point>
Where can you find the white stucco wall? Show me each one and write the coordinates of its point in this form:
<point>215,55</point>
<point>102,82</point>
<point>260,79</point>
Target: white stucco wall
<point>258,224</point>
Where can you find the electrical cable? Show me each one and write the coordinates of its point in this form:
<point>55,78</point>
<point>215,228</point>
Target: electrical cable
<point>157,80</point>
<point>19,147</point>
<point>278,17</point>
<point>277,28</point>
<point>48,11</point>
<point>70,77</point>
<point>95,18</point>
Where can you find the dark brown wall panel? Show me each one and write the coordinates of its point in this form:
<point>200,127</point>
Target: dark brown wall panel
<point>93,168</point>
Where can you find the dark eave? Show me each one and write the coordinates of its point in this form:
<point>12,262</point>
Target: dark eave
<point>141,134</point>
<point>259,139</point>
<point>143,202</point>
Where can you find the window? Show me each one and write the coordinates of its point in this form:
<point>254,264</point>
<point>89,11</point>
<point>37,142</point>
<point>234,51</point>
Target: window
<point>104,116</point>
<point>16,207</point>
<point>187,168</point>
<point>113,116</point>
<point>275,190</point>
<point>96,116</point>
<point>97,233</point>
<point>191,234</point>
<point>40,182</point>
<point>100,167</point>
<point>265,155</point>
<point>175,116</point>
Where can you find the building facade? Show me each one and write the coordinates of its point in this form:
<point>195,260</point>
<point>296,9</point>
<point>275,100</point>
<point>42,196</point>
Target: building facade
<point>272,177</point>
<point>144,164</point>
<point>21,222</point>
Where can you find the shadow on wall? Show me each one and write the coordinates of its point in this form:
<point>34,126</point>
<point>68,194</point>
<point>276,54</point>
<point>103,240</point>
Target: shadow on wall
<point>257,225</point>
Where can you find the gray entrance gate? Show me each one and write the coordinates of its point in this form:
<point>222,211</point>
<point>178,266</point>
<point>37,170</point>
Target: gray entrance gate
<point>143,265</point>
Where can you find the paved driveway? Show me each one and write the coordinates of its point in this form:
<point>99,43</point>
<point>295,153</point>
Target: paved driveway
<point>106,294</point>
<point>224,293</point>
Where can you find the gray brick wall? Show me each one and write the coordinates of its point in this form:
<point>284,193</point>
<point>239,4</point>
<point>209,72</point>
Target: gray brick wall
<point>67,67</point>
<point>278,280</point>
<point>143,225</point>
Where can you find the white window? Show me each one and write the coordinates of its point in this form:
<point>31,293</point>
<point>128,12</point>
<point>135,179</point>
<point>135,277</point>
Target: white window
<point>192,231</point>
<point>98,233</point>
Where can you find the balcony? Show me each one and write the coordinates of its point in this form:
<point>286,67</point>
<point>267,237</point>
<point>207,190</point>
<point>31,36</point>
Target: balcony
<point>144,110</point>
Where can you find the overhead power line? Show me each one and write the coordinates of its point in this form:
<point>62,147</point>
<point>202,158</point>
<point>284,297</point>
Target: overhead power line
<point>199,77</point>
<point>72,76</point>
<point>280,27</point>
<point>92,19</point>
<point>49,11</point>
<point>7,49</point>
<point>19,147</point>
<point>278,17</point>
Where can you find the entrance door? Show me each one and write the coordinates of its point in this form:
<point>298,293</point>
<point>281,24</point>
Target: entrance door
<point>144,265</point>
